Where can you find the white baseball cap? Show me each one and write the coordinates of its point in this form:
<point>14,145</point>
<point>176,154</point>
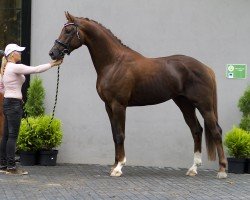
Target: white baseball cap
<point>12,47</point>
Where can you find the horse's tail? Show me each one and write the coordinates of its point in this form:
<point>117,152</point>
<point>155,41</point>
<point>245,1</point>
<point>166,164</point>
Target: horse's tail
<point>210,143</point>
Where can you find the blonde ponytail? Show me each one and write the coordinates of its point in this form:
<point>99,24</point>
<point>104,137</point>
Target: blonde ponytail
<point>3,65</point>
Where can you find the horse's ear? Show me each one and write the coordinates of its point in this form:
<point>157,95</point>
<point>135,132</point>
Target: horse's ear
<point>69,17</point>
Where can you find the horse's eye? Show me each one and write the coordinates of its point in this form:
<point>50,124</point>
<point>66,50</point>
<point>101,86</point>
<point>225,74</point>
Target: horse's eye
<point>67,31</point>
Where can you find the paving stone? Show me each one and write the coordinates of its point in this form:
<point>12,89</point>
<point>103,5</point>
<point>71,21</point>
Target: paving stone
<point>88,182</point>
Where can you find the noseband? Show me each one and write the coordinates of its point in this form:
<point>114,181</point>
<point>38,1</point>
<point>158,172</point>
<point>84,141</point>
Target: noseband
<point>66,45</point>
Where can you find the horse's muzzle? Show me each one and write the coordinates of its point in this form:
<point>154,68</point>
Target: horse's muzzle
<point>56,55</point>
<point>51,54</point>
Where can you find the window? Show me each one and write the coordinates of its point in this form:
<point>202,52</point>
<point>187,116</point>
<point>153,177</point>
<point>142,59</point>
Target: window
<point>10,19</point>
<point>15,20</point>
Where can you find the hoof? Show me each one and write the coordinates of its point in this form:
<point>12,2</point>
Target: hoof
<point>191,172</point>
<point>112,169</point>
<point>116,169</point>
<point>115,173</point>
<point>221,175</point>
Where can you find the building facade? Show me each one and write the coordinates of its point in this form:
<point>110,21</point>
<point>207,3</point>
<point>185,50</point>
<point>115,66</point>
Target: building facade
<point>214,32</point>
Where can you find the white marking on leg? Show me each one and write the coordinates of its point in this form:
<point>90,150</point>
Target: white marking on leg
<point>117,170</point>
<point>197,162</point>
<point>221,175</point>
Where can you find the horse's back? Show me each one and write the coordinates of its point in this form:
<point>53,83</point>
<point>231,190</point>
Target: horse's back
<point>160,79</point>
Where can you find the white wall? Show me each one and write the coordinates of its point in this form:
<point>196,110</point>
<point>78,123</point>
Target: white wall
<point>214,32</point>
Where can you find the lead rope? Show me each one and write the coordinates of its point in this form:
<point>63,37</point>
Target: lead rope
<point>54,107</point>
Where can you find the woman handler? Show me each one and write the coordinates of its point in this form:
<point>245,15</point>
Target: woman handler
<point>12,79</point>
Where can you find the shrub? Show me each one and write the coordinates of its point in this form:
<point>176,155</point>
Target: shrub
<point>27,139</point>
<point>237,142</point>
<point>244,102</point>
<point>245,123</point>
<point>50,135</point>
<point>39,134</point>
<point>35,98</point>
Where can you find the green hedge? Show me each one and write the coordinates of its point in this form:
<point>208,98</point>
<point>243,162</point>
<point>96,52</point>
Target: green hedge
<point>244,102</point>
<point>34,105</point>
<point>237,142</point>
<point>36,134</point>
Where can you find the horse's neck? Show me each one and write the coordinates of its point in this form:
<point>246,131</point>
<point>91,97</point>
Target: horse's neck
<point>102,54</point>
<point>103,47</point>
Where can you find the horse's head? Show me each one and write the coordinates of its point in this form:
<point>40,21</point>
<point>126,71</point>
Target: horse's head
<point>68,40</point>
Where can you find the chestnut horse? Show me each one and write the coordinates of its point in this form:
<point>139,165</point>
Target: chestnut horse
<point>126,78</point>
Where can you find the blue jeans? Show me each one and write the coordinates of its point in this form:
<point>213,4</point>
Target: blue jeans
<point>13,111</point>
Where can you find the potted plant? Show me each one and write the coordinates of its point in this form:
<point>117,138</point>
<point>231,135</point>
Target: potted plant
<point>44,135</point>
<point>50,133</point>
<point>38,132</point>
<point>244,106</point>
<point>237,142</point>
<point>28,143</point>
<point>245,125</point>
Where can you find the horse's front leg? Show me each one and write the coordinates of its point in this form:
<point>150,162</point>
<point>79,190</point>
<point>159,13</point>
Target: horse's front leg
<point>117,115</point>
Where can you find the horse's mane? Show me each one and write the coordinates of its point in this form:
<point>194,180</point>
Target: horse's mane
<point>106,30</point>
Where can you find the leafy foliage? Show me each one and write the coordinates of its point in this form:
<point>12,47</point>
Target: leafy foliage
<point>35,98</point>
<point>244,102</point>
<point>237,142</point>
<point>51,137</point>
<point>39,135</point>
<point>27,139</point>
<point>245,123</point>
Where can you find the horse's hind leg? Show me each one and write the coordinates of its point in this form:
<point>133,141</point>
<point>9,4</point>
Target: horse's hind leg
<point>188,111</point>
<point>117,113</point>
<point>214,134</point>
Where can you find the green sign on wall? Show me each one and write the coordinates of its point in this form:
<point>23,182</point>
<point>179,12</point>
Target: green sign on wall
<point>236,71</point>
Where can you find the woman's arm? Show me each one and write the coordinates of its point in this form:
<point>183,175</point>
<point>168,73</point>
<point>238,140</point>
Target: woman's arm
<point>24,69</point>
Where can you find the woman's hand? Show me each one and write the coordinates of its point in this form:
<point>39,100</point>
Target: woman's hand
<point>56,62</point>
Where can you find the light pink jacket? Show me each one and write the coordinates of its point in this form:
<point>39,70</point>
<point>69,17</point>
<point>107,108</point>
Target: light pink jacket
<point>13,78</point>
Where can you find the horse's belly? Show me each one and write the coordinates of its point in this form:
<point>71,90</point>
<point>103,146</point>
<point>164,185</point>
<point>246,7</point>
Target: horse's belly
<point>146,102</point>
<point>143,98</point>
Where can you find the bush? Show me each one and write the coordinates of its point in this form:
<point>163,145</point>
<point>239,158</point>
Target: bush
<point>35,98</point>
<point>245,123</point>
<point>39,135</point>
<point>51,136</point>
<point>237,142</point>
<point>27,139</point>
<point>244,102</point>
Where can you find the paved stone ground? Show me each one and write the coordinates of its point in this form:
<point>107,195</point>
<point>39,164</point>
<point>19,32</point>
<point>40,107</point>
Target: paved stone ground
<point>72,182</point>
